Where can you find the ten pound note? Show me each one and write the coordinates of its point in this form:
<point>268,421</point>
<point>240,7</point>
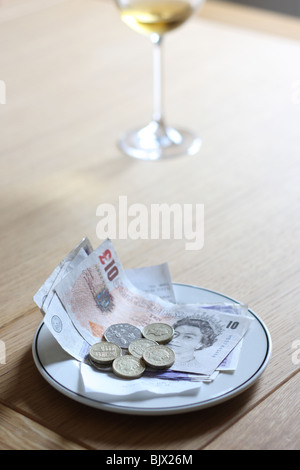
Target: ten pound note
<point>97,293</point>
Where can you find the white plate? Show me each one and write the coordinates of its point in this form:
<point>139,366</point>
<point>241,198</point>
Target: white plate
<point>61,371</point>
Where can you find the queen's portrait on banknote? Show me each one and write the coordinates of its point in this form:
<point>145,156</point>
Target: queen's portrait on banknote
<point>191,335</point>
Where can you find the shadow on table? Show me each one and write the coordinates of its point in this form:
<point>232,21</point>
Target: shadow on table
<point>93,428</point>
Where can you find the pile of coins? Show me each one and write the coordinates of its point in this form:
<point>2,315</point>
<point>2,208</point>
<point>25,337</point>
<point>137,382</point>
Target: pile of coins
<point>142,348</point>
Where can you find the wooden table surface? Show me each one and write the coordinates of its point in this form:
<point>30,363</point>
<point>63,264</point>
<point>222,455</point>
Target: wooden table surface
<point>76,77</point>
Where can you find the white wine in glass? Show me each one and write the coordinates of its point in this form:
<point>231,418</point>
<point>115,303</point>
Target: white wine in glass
<point>155,18</point>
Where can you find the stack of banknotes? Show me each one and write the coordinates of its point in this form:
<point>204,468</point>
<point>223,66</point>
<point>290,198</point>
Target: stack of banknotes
<point>90,291</point>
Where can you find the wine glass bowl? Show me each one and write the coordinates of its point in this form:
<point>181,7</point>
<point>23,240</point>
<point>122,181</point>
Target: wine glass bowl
<point>155,18</point>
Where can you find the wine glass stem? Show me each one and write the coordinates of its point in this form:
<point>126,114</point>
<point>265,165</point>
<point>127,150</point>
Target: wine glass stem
<point>156,40</point>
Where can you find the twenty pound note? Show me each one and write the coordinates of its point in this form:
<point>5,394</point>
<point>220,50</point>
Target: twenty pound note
<point>97,294</point>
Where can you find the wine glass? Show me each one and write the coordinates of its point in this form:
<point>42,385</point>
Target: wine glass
<point>155,18</point>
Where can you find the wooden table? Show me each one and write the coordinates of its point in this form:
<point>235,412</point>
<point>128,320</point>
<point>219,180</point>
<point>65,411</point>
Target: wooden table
<point>76,77</point>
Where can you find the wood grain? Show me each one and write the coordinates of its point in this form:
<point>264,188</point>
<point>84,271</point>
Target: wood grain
<point>19,432</point>
<point>281,429</point>
<point>76,78</point>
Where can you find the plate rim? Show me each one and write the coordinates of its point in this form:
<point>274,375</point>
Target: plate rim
<point>124,409</point>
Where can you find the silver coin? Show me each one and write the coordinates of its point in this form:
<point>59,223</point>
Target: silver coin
<point>137,347</point>
<point>128,367</point>
<point>162,333</point>
<point>122,334</point>
<point>104,352</point>
<point>159,357</point>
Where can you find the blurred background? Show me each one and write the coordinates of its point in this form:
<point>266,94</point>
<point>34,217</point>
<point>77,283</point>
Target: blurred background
<point>290,7</point>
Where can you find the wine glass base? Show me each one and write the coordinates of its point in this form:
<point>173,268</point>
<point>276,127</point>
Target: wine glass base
<point>156,141</point>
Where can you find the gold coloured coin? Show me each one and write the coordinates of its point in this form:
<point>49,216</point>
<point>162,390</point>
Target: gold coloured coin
<point>162,333</point>
<point>159,357</point>
<point>137,347</point>
<point>100,367</point>
<point>128,367</point>
<point>104,352</point>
